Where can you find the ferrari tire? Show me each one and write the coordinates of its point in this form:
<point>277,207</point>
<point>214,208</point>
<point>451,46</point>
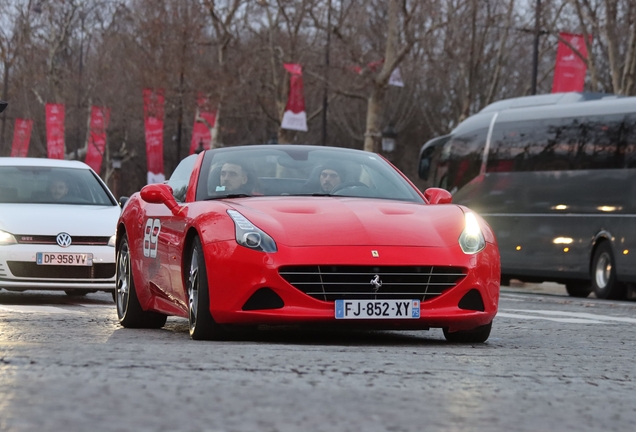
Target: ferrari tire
<point>202,325</point>
<point>604,283</point>
<point>578,289</point>
<point>477,335</point>
<point>129,310</point>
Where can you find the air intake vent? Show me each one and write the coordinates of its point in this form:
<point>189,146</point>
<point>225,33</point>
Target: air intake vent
<point>472,301</point>
<point>331,283</point>
<point>264,298</point>
<point>23,269</point>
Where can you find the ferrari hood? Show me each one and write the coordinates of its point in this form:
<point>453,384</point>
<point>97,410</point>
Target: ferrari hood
<point>324,221</point>
<point>52,219</point>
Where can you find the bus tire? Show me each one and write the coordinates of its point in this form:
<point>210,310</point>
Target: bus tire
<point>603,272</point>
<point>578,289</point>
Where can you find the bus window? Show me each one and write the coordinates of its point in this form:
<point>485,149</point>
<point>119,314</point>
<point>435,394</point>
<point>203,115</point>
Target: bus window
<point>512,146</point>
<point>558,144</point>
<point>629,134</point>
<point>429,156</point>
<point>464,162</point>
<point>600,145</point>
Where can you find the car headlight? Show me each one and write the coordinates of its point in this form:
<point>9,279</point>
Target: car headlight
<point>471,239</point>
<point>112,240</point>
<point>6,238</point>
<point>249,235</point>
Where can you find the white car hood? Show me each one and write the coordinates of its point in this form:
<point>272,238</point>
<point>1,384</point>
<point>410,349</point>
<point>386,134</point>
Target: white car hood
<point>52,219</point>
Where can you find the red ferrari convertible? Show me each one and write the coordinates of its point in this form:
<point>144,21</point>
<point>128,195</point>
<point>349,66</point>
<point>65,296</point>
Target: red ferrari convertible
<point>290,234</point>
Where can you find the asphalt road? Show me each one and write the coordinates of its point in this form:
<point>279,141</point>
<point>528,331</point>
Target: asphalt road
<point>552,363</point>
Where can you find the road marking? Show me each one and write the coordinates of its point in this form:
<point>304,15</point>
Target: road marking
<point>38,309</point>
<point>563,320</point>
<point>583,315</point>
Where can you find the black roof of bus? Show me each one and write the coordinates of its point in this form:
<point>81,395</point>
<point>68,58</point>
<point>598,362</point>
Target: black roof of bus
<point>547,99</point>
<point>547,106</point>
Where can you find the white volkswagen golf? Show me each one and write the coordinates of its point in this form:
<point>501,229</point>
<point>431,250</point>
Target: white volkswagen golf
<point>57,227</point>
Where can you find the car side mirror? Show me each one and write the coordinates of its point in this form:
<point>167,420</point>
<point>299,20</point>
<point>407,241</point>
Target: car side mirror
<point>160,194</point>
<point>122,201</point>
<point>438,196</point>
<point>3,105</point>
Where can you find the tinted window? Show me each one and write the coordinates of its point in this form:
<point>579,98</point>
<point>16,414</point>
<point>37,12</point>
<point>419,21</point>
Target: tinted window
<point>464,154</point>
<point>629,141</point>
<point>23,184</point>
<point>558,144</point>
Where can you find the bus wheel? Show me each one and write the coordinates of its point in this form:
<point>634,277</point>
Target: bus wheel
<point>604,281</point>
<point>578,289</point>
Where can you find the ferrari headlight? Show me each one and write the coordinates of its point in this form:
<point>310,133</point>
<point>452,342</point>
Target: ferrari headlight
<point>249,235</point>
<point>471,239</point>
<point>112,239</point>
<point>6,238</point>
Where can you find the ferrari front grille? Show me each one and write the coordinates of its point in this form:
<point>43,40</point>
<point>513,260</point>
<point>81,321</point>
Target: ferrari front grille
<point>330,283</point>
<point>32,270</point>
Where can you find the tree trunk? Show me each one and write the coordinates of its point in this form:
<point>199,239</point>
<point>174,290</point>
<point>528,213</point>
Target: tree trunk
<point>375,105</point>
<point>375,108</point>
<point>5,95</point>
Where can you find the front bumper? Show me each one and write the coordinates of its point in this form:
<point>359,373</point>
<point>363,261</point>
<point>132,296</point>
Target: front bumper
<point>27,274</point>
<point>235,273</point>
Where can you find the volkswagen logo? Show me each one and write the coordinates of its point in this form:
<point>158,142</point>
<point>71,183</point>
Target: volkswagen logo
<point>64,240</point>
<point>376,283</point>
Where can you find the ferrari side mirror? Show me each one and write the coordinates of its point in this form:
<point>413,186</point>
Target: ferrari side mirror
<point>160,194</point>
<point>438,196</point>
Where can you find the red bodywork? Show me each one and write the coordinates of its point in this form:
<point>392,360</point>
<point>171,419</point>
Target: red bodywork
<point>307,231</point>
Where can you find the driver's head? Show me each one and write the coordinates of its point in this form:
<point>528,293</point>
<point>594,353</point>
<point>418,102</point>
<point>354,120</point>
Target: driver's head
<point>58,188</point>
<point>332,175</point>
<point>233,176</point>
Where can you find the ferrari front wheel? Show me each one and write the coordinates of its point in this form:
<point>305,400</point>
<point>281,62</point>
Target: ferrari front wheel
<point>129,311</point>
<point>477,335</point>
<point>202,325</point>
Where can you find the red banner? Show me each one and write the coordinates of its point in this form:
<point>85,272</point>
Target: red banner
<point>295,117</point>
<point>203,125</point>
<point>97,137</point>
<point>569,72</point>
<point>21,137</point>
<point>153,120</point>
<point>55,131</point>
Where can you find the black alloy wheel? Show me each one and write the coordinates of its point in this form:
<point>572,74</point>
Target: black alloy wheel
<point>129,310</point>
<point>201,323</point>
<point>603,273</point>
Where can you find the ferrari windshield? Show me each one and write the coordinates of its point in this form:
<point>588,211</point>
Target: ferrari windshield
<point>51,185</point>
<point>294,170</point>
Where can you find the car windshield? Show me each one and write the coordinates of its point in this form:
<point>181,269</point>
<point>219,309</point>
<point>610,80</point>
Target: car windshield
<point>51,185</point>
<point>300,171</point>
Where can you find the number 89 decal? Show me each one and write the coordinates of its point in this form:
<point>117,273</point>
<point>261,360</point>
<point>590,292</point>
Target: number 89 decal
<point>151,234</point>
